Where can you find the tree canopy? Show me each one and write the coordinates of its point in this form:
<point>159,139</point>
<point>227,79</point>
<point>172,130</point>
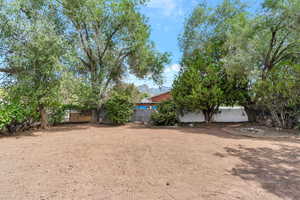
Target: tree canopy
<point>57,52</point>
<point>260,43</point>
<point>112,39</point>
<point>203,83</point>
<point>62,53</point>
<point>32,52</point>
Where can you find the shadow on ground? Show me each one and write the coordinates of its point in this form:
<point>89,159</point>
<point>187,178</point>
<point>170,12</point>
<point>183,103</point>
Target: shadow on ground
<point>66,128</point>
<point>277,170</point>
<point>19,135</point>
<point>207,129</point>
<point>54,129</point>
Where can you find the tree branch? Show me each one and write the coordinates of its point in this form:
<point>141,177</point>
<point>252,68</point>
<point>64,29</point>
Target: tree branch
<point>10,71</point>
<point>279,47</point>
<point>108,41</point>
<point>271,46</point>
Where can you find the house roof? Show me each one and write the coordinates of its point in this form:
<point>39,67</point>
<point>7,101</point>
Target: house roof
<point>157,95</point>
<point>149,100</point>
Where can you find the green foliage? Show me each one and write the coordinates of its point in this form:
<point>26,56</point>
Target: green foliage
<point>258,44</point>
<point>8,113</point>
<point>33,49</point>
<point>258,47</point>
<point>2,94</point>
<point>206,28</point>
<point>253,48</point>
<point>120,104</point>
<point>113,39</point>
<point>166,114</point>
<point>14,115</point>
<point>203,86</point>
<point>57,114</point>
<point>279,92</point>
<point>73,52</point>
<point>76,92</point>
<point>119,108</point>
<point>130,90</point>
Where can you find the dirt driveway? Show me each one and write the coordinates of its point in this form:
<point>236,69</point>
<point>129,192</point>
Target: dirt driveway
<point>136,163</point>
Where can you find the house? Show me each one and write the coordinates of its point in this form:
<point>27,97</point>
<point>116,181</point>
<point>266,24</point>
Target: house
<point>152,102</point>
<point>161,97</point>
<point>79,116</point>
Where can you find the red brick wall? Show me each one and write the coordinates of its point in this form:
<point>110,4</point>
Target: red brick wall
<point>161,97</point>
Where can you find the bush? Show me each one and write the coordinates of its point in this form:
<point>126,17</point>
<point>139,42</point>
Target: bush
<point>57,115</point>
<point>279,92</point>
<point>298,126</point>
<point>15,117</point>
<point>166,114</point>
<point>119,108</point>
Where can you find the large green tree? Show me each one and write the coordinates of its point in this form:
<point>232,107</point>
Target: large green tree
<point>257,44</point>
<point>49,47</point>
<point>260,43</point>
<point>279,92</point>
<point>203,84</point>
<point>32,48</point>
<point>112,40</point>
<point>206,28</point>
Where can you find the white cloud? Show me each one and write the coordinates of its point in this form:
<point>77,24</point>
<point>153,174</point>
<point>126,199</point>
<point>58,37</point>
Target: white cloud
<point>173,68</point>
<point>167,6</point>
<point>194,3</point>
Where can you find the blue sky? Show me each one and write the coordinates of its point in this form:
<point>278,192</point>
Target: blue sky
<point>166,18</point>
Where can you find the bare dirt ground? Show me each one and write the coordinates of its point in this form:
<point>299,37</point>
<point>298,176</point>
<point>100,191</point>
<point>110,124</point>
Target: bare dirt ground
<point>137,163</point>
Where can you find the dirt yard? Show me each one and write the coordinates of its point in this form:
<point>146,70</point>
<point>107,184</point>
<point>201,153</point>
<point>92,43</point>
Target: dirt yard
<point>136,163</point>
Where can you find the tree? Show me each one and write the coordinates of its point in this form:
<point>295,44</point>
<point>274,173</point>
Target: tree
<point>2,94</point>
<point>200,87</point>
<point>32,49</point>
<point>75,91</point>
<point>206,28</point>
<point>15,116</point>
<point>113,39</point>
<point>204,84</point>
<point>279,92</point>
<point>120,101</point>
<point>166,114</point>
<point>119,108</point>
<point>257,45</point>
<point>131,90</point>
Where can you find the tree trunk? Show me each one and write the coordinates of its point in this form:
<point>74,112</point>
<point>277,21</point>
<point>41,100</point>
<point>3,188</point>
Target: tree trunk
<point>95,116</point>
<point>95,112</point>
<point>208,115</point>
<point>251,112</point>
<point>44,117</point>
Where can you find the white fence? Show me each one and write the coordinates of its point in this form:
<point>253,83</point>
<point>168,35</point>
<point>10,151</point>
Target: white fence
<point>225,114</point>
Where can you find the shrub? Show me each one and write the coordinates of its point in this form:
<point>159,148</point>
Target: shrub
<point>279,92</point>
<point>57,115</point>
<point>15,117</point>
<point>166,114</point>
<point>119,108</point>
